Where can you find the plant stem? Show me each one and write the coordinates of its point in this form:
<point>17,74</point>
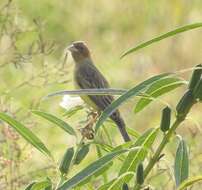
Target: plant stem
<point>160,148</point>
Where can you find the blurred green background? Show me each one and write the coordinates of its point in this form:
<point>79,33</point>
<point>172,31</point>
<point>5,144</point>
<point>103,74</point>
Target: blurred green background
<point>33,37</point>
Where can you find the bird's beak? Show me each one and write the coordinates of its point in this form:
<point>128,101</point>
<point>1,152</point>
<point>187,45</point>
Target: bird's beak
<point>72,48</point>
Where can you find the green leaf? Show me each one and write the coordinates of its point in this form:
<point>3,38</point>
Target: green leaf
<point>103,169</point>
<point>90,170</point>
<point>189,182</point>
<point>118,182</point>
<point>125,145</point>
<point>53,119</point>
<point>105,147</point>
<point>96,174</point>
<point>100,91</point>
<point>25,133</point>
<point>106,185</point>
<point>134,157</point>
<point>30,186</point>
<point>108,148</point>
<point>181,167</point>
<point>129,94</point>
<point>163,36</point>
<point>41,185</point>
<point>132,132</point>
<point>69,113</point>
<point>157,89</point>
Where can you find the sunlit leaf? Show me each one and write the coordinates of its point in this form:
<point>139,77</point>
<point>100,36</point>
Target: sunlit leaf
<point>53,119</point>
<point>119,181</point>
<point>189,182</point>
<point>25,133</point>
<point>69,113</point>
<point>29,187</point>
<point>157,89</point>
<point>163,36</point>
<point>109,148</point>
<point>106,185</point>
<point>132,132</point>
<point>134,157</point>
<point>100,91</point>
<point>42,185</point>
<point>96,174</point>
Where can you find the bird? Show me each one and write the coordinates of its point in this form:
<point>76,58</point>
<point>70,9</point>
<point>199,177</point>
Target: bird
<point>87,76</point>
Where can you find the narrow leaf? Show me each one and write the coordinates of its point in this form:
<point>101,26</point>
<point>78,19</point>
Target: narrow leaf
<point>163,36</point>
<point>181,167</point>
<point>25,133</point>
<point>104,91</point>
<point>108,148</point>
<point>135,157</point>
<point>129,94</point>
<point>118,182</point>
<point>29,187</point>
<point>96,174</point>
<point>40,185</point>
<point>132,132</point>
<point>55,120</point>
<point>157,89</point>
<point>90,170</point>
<point>69,113</point>
<point>106,185</point>
<point>189,182</point>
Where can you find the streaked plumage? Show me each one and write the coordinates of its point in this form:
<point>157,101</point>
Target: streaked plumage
<point>87,76</point>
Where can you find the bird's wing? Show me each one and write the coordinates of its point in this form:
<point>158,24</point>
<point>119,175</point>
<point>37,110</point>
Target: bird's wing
<point>89,77</point>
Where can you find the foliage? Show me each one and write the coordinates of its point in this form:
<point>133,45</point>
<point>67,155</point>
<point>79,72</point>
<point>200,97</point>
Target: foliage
<point>33,35</point>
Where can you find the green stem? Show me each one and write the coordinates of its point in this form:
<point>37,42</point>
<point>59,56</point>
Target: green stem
<point>163,143</point>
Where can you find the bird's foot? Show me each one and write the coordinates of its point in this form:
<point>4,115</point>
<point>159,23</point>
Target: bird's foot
<point>88,131</point>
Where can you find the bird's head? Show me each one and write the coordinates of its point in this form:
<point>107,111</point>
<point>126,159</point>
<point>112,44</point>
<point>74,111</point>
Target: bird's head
<point>79,51</point>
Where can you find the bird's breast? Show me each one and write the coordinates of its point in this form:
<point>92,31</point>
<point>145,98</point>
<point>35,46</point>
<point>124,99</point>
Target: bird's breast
<point>85,98</point>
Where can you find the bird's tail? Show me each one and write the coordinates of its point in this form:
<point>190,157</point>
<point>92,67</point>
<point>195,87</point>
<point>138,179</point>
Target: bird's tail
<point>121,125</point>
